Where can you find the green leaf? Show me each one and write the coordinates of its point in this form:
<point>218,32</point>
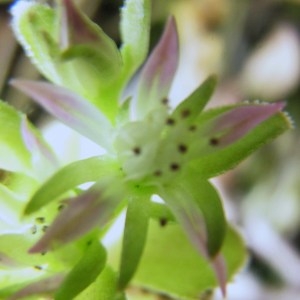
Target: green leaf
<point>135,31</point>
<point>172,266</point>
<point>221,160</point>
<point>104,287</point>
<point>69,177</point>
<point>34,25</point>
<point>135,233</point>
<point>84,272</point>
<point>14,155</point>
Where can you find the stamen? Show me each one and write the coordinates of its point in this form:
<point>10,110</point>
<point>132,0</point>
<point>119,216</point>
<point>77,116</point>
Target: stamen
<point>163,222</point>
<point>214,142</point>
<point>182,148</point>
<point>136,150</point>
<point>185,113</point>
<point>174,167</point>
<point>40,220</point>
<point>192,128</point>
<point>157,173</point>
<point>165,101</point>
<point>170,121</point>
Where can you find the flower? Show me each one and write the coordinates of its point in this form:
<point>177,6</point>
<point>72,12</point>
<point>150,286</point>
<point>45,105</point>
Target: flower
<point>151,148</point>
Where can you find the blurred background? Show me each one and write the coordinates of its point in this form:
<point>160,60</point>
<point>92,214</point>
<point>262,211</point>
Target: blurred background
<point>254,48</point>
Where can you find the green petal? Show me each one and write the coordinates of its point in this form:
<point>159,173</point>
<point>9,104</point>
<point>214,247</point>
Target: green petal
<point>193,105</point>
<point>104,288</point>
<point>14,155</point>
<point>135,31</point>
<point>135,233</point>
<point>84,272</point>
<point>69,177</point>
<point>221,160</point>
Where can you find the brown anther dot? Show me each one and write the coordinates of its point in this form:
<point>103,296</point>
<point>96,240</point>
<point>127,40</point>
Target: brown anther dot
<point>38,268</point>
<point>182,148</point>
<point>40,220</point>
<point>158,173</point>
<point>44,228</point>
<point>185,113</point>
<point>174,166</point>
<point>214,142</point>
<point>192,128</point>
<point>163,222</point>
<point>136,150</point>
<point>165,101</point>
<point>170,121</point>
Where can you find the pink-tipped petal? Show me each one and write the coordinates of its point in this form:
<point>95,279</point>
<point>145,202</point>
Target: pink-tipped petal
<point>158,73</point>
<point>239,121</point>
<point>48,285</point>
<point>69,108</point>
<point>35,144</point>
<point>220,269</point>
<point>75,27</point>
<point>82,214</point>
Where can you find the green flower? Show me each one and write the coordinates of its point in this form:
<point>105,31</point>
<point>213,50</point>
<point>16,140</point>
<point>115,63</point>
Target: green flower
<point>151,148</point>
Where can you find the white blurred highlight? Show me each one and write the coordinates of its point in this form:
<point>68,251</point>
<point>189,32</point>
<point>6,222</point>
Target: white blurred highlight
<point>273,69</point>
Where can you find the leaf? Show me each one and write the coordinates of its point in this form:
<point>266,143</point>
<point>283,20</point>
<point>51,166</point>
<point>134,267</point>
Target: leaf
<point>104,287</point>
<point>226,158</point>
<point>34,27</point>
<point>69,177</point>
<point>69,108</point>
<point>157,74</point>
<point>135,233</point>
<point>171,265</point>
<point>135,31</point>
<point>14,156</point>
<point>84,272</point>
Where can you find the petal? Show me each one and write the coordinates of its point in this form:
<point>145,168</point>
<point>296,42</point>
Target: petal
<point>84,212</point>
<point>43,159</point>
<point>158,73</point>
<point>69,177</point>
<point>69,108</point>
<point>47,285</point>
<point>239,121</point>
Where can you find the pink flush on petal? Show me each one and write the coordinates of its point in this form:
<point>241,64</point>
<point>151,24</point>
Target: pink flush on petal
<point>81,215</point>
<point>158,73</point>
<point>74,26</point>
<point>239,121</point>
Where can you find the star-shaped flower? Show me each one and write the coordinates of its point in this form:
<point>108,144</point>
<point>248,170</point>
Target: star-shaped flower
<point>151,147</point>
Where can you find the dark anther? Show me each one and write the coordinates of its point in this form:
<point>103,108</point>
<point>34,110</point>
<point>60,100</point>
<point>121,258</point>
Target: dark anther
<point>163,222</point>
<point>158,173</point>
<point>192,128</point>
<point>40,220</point>
<point>136,150</point>
<point>214,141</point>
<point>170,121</point>
<point>44,228</point>
<point>185,113</point>
<point>61,207</point>
<point>38,267</point>
<point>182,148</point>
<point>165,101</point>
<point>174,166</point>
